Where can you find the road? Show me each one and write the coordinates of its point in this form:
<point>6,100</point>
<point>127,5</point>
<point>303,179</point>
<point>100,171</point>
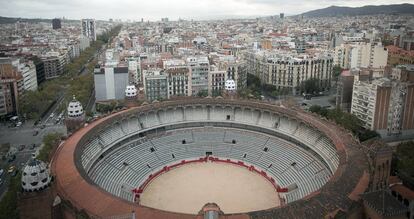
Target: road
<point>23,136</point>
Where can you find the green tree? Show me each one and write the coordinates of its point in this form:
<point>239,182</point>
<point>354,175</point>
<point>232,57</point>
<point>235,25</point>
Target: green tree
<point>311,86</point>
<point>50,141</point>
<point>202,93</point>
<point>405,158</point>
<point>8,204</point>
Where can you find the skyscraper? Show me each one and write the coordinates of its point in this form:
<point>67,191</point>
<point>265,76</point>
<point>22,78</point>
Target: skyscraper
<point>89,28</point>
<point>56,24</point>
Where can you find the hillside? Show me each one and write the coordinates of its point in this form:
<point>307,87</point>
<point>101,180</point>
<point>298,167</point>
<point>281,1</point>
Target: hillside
<point>336,11</point>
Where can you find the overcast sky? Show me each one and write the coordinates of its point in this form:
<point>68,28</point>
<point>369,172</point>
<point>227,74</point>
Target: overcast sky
<point>173,9</point>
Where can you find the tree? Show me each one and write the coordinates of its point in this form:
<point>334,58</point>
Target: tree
<point>50,142</point>
<point>8,204</point>
<point>405,158</point>
<point>216,92</point>
<point>311,86</point>
<point>202,93</point>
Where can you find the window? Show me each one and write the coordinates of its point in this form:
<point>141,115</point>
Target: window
<point>173,156</point>
<point>209,153</point>
<point>265,149</point>
<point>184,142</point>
<point>233,141</point>
<point>228,117</point>
<point>152,149</point>
<point>244,155</point>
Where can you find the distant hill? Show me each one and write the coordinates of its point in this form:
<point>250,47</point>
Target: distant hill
<point>336,11</point>
<point>10,20</point>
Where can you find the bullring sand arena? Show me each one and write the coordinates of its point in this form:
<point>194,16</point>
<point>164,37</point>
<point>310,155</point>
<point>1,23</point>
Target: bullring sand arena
<point>177,158</point>
<point>188,187</point>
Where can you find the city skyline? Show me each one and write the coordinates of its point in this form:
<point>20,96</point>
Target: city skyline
<point>155,10</point>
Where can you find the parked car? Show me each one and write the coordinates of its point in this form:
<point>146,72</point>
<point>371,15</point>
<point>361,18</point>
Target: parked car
<point>11,169</point>
<point>12,158</point>
<point>1,172</point>
<point>32,146</point>
<point>52,115</point>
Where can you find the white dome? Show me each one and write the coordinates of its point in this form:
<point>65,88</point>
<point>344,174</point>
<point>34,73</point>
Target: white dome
<point>75,108</point>
<point>230,85</point>
<point>130,91</point>
<point>35,176</point>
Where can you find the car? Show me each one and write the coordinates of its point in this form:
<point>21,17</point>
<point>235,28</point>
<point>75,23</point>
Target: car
<point>52,115</point>
<point>18,124</point>
<point>11,169</point>
<point>1,172</point>
<point>12,158</point>
<point>21,147</point>
<point>35,133</point>
<point>32,146</point>
<point>14,173</point>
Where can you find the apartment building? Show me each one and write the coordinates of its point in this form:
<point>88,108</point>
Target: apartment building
<point>54,64</point>
<point>288,71</point>
<point>360,55</point>
<point>179,78</point>
<point>89,29</point>
<point>199,67</point>
<point>385,104</point>
<point>11,87</point>
<point>155,84</point>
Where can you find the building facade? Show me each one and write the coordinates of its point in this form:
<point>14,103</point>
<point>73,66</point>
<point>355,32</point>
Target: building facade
<point>289,71</point>
<point>89,29</point>
<point>155,85</point>
<point>199,66</point>
<point>385,104</point>
<point>110,82</point>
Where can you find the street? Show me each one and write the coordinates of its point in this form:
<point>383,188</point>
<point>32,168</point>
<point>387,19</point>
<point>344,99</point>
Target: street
<point>23,135</point>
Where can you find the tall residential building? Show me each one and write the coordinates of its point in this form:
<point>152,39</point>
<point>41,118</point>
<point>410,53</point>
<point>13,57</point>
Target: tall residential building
<point>11,87</point>
<point>89,29</point>
<point>344,91</point>
<point>385,104</point>
<point>56,24</point>
<point>398,56</point>
<point>199,66</point>
<point>54,64</point>
<point>179,78</point>
<point>134,69</point>
<point>28,71</point>
<point>288,71</point>
<point>155,84</point>
<point>110,82</point>
<point>360,55</point>
<point>216,81</point>
<point>40,69</point>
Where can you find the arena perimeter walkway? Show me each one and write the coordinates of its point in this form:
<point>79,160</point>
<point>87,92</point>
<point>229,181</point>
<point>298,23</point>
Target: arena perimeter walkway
<point>187,188</point>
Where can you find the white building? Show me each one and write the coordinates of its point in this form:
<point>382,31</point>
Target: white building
<point>134,69</point>
<point>155,84</point>
<point>110,82</point>
<point>288,71</point>
<point>361,55</point>
<point>89,29</point>
<point>200,67</point>
<point>179,78</point>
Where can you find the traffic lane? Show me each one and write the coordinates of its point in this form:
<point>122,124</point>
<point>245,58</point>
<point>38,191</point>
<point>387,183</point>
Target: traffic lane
<point>19,136</point>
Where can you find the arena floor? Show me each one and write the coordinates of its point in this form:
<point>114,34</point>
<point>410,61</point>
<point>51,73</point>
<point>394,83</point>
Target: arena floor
<point>187,188</point>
